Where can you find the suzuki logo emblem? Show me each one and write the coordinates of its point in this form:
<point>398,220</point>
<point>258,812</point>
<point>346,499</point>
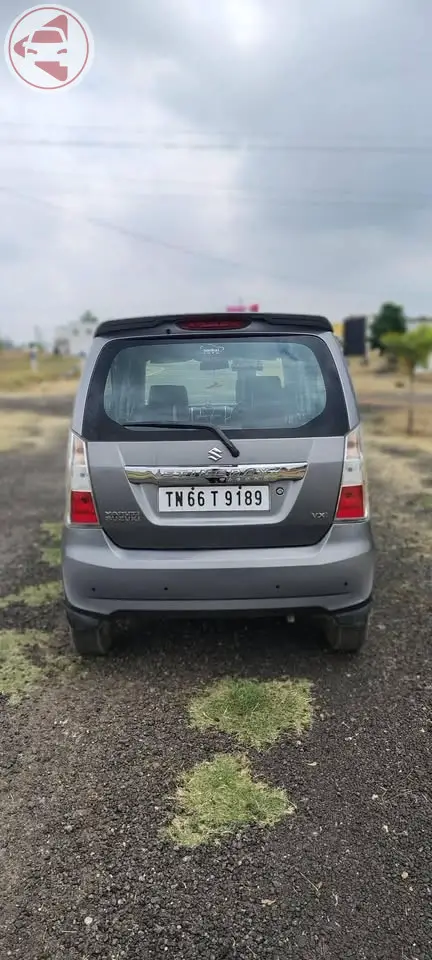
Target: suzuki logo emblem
<point>215,454</point>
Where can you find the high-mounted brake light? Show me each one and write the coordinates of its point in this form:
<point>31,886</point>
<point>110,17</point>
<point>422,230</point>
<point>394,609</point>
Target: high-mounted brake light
<point>81,507</point>
<point>231,323</point>
<point>353,498</point>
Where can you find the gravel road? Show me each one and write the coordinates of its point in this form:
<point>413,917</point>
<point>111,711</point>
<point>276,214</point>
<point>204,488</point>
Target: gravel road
<point>89,764</point>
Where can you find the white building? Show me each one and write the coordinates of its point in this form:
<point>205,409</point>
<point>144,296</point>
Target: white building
<point>75,338</point>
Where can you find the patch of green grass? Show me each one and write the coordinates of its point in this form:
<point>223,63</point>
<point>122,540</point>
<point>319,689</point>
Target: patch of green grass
<point>16,373</point>
<point>34,596</point>
<point>26,659</point>
<point>53,531</point>
<point>51,556</point>
<point>257,713</point>
<point>18,673</point>
<point>51,550</point>
<point>218,797</point>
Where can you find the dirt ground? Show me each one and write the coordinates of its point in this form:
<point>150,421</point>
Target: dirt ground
<point>373,378</point>
<point>90,759</point>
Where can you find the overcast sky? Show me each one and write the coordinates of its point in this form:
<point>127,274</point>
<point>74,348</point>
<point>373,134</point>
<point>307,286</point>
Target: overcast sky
<point>278,150</point>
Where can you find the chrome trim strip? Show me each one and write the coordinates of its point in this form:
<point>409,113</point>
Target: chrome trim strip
<point>205,476</point>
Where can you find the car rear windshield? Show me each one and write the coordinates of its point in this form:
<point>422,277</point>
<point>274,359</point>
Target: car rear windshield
<point>251,386</point>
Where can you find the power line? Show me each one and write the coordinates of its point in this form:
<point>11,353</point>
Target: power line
<point>159,130</point>
<point>229,145</point>
<point>115,181</point>
<point>230,134</point>
<point>279,202</point>
<point>94,182</point>
<point>147,238</point>
<point>313,197</point>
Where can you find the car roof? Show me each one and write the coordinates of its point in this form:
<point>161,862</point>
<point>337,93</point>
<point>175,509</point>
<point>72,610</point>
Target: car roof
<point>121,327</point>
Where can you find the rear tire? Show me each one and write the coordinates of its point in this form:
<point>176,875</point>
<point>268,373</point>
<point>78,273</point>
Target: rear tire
<point>94,641</point>
<point>348,632</point>
<point>349,639</point>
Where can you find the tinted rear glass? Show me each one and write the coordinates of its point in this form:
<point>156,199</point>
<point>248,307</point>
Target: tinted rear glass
<point>249,385</point>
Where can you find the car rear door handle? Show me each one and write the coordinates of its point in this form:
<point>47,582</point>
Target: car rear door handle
<point>251,474</point>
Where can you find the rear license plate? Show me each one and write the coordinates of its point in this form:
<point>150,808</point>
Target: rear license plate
<point>214,499</point>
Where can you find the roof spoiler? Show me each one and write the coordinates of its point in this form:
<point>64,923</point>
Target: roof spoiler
<point>297,321</point>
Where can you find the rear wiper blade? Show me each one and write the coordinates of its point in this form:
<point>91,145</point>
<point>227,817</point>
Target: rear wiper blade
<point>187,425</point>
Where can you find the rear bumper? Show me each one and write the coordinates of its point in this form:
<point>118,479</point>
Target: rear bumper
<point>102,579</point>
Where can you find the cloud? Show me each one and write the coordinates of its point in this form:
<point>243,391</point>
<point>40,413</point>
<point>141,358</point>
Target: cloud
<point>274,150</point>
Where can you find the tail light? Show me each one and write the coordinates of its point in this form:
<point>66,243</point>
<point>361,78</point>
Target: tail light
<point>81,507</point>
<point>353,498</point>
<point>213,323</point>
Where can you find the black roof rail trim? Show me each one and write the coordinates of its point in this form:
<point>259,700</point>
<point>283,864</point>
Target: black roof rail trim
<point>112,328</point>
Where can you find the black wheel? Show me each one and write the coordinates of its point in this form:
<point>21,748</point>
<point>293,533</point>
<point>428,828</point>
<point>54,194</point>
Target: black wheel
<point>94,641</point>
<point>347,633</point>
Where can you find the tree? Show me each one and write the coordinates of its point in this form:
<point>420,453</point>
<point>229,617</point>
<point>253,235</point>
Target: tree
<point>88,318</point>
<point>389,319</point>
<point>412,350</point>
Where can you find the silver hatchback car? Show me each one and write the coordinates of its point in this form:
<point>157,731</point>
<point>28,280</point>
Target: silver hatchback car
<point>215,467</point>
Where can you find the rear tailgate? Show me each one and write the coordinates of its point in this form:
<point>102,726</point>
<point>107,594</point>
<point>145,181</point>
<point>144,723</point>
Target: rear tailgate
<point>161,488</point>
<point>128,480</point>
